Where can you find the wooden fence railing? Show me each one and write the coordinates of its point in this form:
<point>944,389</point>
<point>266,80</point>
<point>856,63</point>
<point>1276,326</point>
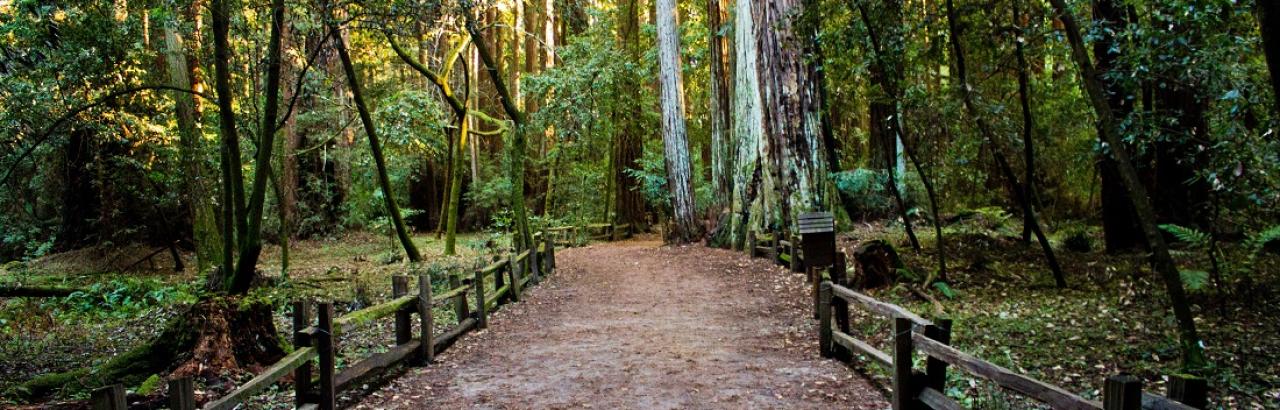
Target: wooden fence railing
<point>912,333</point>
<point>315,344</point>
<point>571,235</point>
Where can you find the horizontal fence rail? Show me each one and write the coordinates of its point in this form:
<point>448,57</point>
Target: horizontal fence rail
<point>913,389</point>
<point>315,337</point>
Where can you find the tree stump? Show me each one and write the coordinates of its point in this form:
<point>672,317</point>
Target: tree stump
<point>877,263</point>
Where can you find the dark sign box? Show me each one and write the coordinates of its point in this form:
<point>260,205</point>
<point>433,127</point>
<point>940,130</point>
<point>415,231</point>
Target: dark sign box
<point>818,238</point>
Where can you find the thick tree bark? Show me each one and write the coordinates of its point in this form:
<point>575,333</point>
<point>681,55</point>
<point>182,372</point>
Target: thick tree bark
<point>721,119</point>
<point>375,148</point>
<point>675,142</point>
<point>1161,261</point>
<point>746,212</point>
<point>793,110</point>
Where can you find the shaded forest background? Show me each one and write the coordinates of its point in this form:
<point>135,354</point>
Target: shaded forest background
<point>986,132</point>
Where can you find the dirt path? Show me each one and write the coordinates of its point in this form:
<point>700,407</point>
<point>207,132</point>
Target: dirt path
<point>637,325</point>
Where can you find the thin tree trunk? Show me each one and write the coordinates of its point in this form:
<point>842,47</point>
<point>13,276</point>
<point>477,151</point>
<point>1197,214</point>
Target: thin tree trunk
<point>232,180</point>
<point>989,138</point>
<point>251,240</point>
<point>1161,261</point>
<point>516,150</point>
<point>888,73</point>
<point>1028,124</point>
<point>675,142</point>
<point>204,219</point>
<point>375,148</point>
<point>1269,25</point>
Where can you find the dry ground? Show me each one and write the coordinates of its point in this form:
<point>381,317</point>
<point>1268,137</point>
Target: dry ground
<point>638,325</point>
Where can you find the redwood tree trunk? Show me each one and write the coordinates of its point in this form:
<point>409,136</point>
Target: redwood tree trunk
<point>793,107</point>
<point>721,149</point>
<point>675,142</point>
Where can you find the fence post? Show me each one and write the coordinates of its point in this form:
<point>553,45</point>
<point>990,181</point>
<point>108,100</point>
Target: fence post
<point>551,254</point>
<point>903,392</point>
<point>1122,392</point>
<point>516,288</point>
<point>796,266</point>
<point>936,370</point>
<point>427,352</point>
<point>1189,390</point>
<point>482,320</point>
<point>824,319</point>
<point>839,276</point>
<point>301,375</point>
<point>325,346</point>
<point>404,316</point>
<point>182,394</point>
<point>535,266</point>
<point>777,251</point>
<point>459,304</point>
<point>751,244</point>
<point>816,279</point>
<point>109,398</point>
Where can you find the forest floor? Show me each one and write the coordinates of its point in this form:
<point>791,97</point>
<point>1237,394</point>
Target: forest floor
<point>639,325</point>
<point>1113,317</point>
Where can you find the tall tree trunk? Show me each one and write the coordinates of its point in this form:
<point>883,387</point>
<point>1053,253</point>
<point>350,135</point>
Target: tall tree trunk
<point>1161,262</point>
<point>793,109</point>
<point>199,195</point>
<point>1184,197</point>
<point>675,141</point>
<point>1269,25</point>
<point>628,143</point>
<point>748,129</point>
<point>516,150</point>
<point>375,148</point>
<point>1028,124</point>
<point>232,180</point>
<point>886,116</point>
<point>1119,226</point>
<point>721,148</point>
<point>251,239</point>
<point>989,139</point>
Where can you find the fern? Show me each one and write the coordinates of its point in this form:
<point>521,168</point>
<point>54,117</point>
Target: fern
<point>1261,239</point>
<point>1194,279</point>
<point>1191,236</point>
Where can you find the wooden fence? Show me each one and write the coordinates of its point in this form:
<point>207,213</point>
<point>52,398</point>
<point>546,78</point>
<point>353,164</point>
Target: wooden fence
<point>914,390</point>
<point>315,338</point>
<point>571,235</point>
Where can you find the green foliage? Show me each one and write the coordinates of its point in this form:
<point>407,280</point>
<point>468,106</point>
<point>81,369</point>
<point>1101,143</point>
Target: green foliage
<point>149,385</point>
<point>121,297</point>
<point>869,192</point>
<point>1191,236</point>
<point>653,177</point>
